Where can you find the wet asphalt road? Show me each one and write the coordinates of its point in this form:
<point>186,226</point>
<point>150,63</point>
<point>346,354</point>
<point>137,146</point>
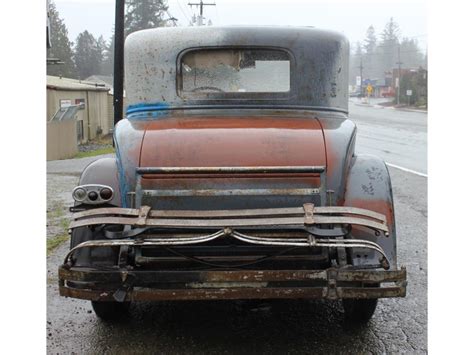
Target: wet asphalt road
<point>399,325</point>
<point>398,137</point>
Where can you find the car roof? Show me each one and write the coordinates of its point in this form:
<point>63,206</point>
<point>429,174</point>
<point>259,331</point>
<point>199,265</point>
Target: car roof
<point>319,58</point>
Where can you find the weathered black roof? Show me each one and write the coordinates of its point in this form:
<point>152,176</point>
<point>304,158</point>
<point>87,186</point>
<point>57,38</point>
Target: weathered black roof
<point>319,77</point>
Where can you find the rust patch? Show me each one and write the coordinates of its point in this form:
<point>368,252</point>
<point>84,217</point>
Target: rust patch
<point>331,285</point>
<point>224,182</point>
<point>381,206</point>
<point>233,141</point>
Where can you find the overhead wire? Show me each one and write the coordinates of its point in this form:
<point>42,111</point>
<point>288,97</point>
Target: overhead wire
<point>182,11</point>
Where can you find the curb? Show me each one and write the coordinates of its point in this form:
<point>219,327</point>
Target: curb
<point>410,110</point>
<point>389,107</point>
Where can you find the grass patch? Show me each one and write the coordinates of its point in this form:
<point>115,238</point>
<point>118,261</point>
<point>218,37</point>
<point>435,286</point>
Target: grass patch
<point>93,153</point>
<point>54,242</point>
<point>56,211</point>
<point>107,139</point>
<point>64,224</point>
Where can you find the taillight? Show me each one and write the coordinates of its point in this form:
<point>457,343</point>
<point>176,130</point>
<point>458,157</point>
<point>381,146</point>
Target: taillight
<point>93,194</point>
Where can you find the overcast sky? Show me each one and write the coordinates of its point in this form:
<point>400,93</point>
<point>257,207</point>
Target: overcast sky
<point>349,17</point>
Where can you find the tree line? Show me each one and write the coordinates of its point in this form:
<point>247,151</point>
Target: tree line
<point>94,56</point>
<point>379,55</point>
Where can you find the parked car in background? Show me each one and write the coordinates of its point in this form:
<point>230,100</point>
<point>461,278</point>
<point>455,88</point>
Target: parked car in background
<point>355,94</point>
<point>387,92</point>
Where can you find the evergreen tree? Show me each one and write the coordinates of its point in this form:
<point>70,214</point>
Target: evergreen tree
<point>101,52</point>
<point>380,57</point>
<point>108,62</point>
<point>391,32</point>
<point>389,45</point>
<point>370,41</point>
<point>354,62</point>
<point>61,47</point>
<point>370,60</point>
<point>101,47</point>
<point>143,14</point>
<point>358,50</point>
<point>88,55</point>
<point>410,54</point>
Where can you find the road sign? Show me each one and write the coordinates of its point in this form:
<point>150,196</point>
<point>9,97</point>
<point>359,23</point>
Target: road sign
<point>409,92</point>
<point>369,89</point>
<point>358,80</point>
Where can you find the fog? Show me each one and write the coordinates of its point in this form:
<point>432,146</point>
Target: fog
<point>349,17</point>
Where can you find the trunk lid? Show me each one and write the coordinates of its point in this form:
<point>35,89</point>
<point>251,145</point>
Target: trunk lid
<point>231,142</point>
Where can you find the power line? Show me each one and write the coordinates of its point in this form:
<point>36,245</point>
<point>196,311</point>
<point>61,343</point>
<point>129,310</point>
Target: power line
<point>182,11</point>
<point>201,10</point>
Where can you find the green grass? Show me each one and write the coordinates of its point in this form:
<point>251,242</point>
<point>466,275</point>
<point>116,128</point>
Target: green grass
<point>65,224</point>
<point>53,243</point>
<point>55,213</point>
<point>93,153</point>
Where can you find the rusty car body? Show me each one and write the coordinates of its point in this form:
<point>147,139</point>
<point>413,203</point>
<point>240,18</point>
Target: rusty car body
<point>235,177</point>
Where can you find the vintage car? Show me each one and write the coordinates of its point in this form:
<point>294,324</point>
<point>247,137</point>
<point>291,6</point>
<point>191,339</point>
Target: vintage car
<point>235,177</point>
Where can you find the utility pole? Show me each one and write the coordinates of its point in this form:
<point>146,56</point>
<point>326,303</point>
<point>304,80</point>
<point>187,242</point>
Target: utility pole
<point>118,59</point>
<point>399,75</point>
<point>361,81</point>
<point>201,5</point>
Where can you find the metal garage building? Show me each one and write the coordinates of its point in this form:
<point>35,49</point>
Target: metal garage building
<point>108,82</point>
<point>92,118</point>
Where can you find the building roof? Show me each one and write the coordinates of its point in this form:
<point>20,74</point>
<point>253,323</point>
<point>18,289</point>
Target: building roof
<point>60,83</point>
<point>107,80</point>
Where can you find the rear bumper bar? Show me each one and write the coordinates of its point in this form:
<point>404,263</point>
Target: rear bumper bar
<point>126,285</point>
<point>308,215</point>
<point>122,283</point>
<point>319,222</point>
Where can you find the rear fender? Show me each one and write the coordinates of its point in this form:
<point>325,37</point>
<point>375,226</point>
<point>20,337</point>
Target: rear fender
<point>104,172</point>
<point>368,186</point>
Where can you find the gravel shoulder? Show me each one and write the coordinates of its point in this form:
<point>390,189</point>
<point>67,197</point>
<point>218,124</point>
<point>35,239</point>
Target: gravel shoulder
<point>62,177</point>
<point>234,327</point>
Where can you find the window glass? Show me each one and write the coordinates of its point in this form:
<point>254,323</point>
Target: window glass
<point>235,71</point>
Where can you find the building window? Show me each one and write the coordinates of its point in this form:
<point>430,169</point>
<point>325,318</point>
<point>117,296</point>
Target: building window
<point>81,103</point>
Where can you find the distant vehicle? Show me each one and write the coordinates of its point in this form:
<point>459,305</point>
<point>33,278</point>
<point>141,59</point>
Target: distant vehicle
<point>235,177</point>
<point>355,94</point>
<point>387,92</point>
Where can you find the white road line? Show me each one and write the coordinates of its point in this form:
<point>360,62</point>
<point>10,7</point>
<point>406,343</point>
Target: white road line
<point>407,170</point>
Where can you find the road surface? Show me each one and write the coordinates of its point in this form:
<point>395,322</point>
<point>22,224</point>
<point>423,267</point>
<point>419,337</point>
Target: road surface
<point>398,137</point>
<point>294,327</point>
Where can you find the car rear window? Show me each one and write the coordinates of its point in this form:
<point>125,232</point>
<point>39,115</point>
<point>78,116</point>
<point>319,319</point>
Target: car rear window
<point>234,71</point>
